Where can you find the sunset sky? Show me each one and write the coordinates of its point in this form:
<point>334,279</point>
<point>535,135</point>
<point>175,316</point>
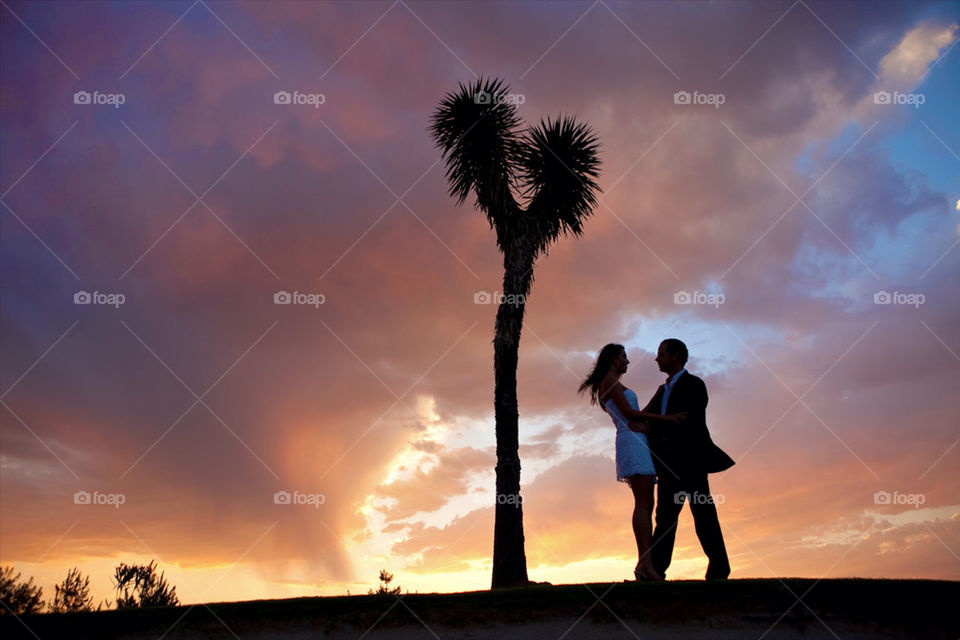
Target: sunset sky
<point>810,185</point>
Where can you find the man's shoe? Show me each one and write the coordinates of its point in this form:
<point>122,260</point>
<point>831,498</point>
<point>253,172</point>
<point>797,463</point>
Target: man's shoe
<point>719,574</point>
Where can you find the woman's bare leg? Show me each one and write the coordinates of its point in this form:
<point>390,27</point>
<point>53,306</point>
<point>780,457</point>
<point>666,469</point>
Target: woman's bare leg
<point>642,487</point>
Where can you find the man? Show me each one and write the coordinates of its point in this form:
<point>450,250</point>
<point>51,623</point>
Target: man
<point>683,455</point>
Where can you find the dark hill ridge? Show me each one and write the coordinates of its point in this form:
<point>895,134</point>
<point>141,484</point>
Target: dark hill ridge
<point>849,608</point>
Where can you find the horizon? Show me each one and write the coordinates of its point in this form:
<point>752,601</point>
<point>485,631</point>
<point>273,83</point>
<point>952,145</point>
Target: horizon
<point>247,333</point>
<point>860,606</point>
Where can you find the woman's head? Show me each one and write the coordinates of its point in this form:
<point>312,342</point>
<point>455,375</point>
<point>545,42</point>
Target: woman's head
<point>613,357</point>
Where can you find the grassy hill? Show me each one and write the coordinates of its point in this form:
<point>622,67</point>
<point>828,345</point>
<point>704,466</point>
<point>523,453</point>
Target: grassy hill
<point>846,608</point>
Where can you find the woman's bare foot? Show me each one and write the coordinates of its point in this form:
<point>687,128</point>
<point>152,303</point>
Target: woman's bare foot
<point>646,574</point>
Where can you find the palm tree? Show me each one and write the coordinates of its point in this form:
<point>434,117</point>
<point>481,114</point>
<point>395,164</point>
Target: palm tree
<point>550,170</point>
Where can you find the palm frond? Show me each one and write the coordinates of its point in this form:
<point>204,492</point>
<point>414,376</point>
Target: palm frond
<point>560,163</point>
<point>479,134</point>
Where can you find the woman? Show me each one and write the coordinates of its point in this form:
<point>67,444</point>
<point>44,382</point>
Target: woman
<point>634,462</point>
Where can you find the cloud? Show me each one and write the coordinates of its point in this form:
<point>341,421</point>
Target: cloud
<point>425,491</point>
<point>919,48</point>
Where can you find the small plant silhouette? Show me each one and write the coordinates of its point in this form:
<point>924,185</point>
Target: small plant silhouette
<point>384,588</point>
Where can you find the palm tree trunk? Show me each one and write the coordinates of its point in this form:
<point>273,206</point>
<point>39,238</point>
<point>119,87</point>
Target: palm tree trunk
<point>509,557</point>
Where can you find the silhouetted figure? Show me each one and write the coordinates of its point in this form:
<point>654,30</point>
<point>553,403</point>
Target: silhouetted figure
<point>684,454</point>
<point>634,462</point>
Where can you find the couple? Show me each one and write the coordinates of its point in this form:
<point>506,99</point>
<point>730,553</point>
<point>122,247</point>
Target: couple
<point>667,442</point>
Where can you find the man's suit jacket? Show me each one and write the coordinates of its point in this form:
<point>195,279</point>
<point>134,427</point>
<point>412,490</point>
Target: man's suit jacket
<point>685,449</point>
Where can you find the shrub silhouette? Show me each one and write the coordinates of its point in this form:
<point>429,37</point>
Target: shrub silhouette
<point>139,586</point>
<point>73,594</point>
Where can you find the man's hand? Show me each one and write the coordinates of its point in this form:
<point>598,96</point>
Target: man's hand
<point>639,427</point>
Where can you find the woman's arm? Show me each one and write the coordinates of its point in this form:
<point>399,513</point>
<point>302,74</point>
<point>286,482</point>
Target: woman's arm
<point>616,394</point>
<point>643,427</point>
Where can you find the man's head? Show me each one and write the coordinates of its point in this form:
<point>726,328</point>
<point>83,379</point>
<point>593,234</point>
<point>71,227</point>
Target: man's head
<point>671,356</point>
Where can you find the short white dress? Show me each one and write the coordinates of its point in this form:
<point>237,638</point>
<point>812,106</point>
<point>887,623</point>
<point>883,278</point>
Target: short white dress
<point>633,452</point>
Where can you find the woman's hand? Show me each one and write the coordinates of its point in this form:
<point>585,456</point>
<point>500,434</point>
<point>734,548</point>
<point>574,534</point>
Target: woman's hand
<point>677,418</point>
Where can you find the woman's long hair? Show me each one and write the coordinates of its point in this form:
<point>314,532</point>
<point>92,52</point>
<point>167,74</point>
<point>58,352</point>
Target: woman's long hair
<point>601,367</point>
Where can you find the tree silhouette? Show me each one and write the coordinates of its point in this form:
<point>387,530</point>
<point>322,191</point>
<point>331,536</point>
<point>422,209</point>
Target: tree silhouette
<point>73,594</point>
<point>550,169</point>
